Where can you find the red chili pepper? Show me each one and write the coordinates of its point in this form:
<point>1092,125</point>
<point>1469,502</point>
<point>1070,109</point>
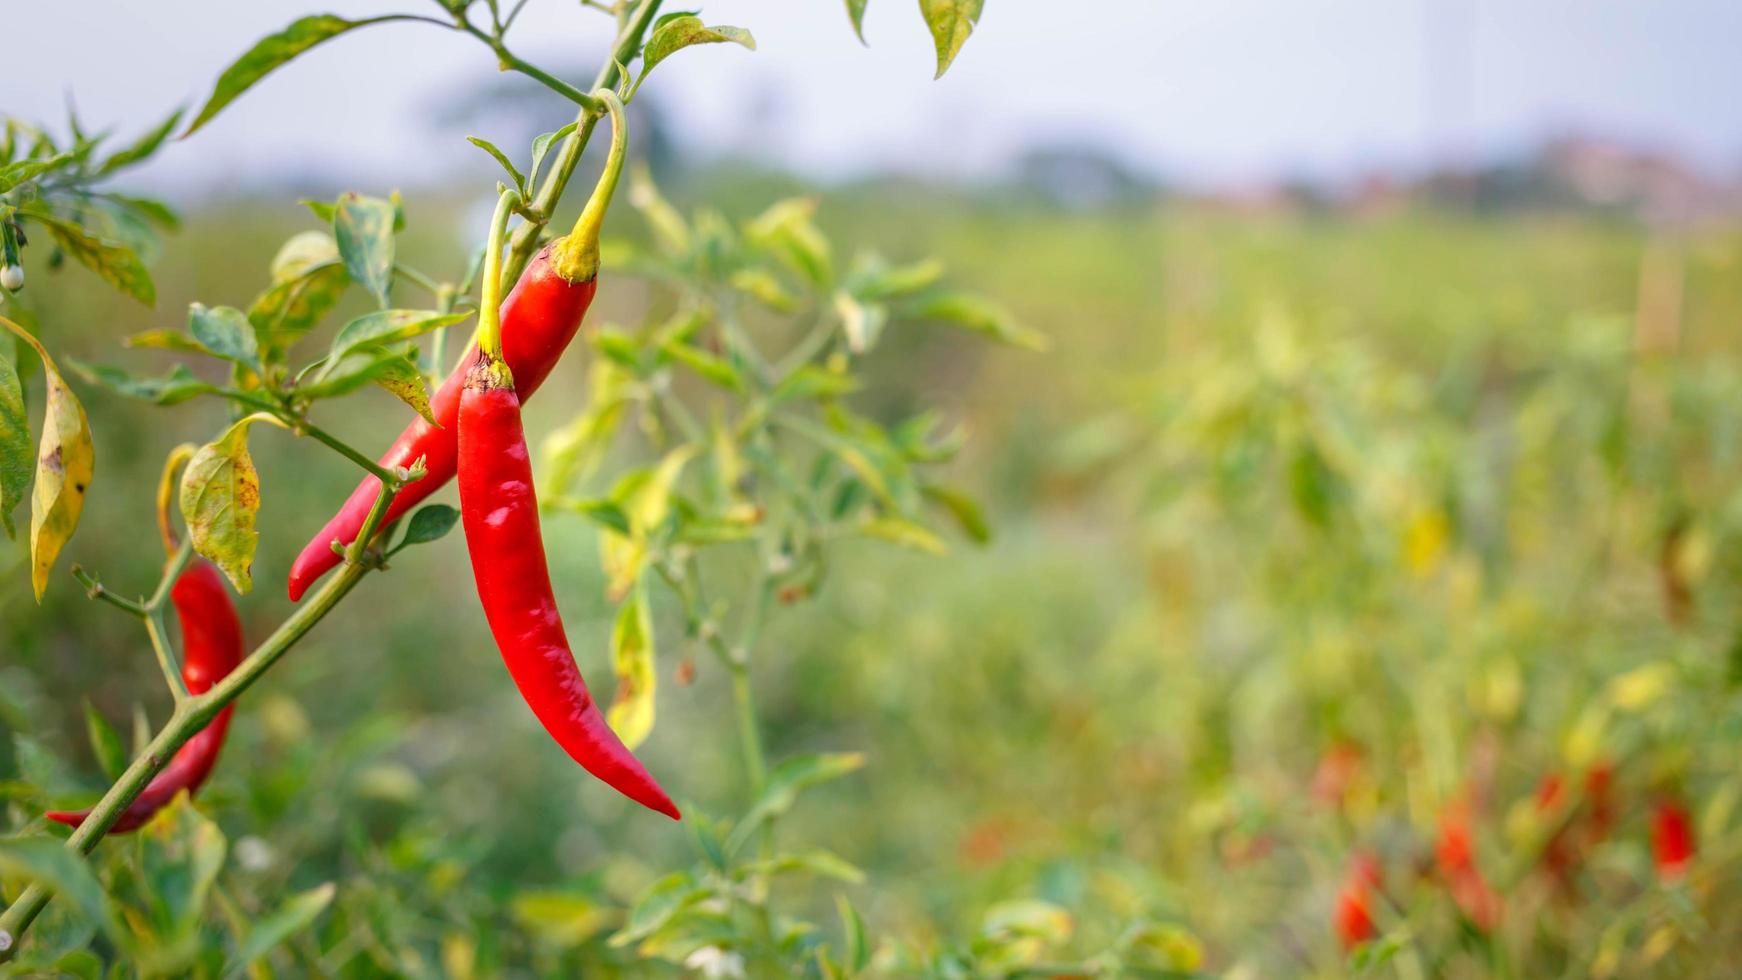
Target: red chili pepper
<point>1353,917</point>
<point>1337,771</point>
<point>1672,839</point>
<point>1559,853</point>
<point>539,318</point>
<point>211,648</point>
<point>499,510</point>
<point>1456,855</point>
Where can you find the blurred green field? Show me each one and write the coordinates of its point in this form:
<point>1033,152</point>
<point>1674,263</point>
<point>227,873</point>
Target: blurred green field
<point>1449,499</point>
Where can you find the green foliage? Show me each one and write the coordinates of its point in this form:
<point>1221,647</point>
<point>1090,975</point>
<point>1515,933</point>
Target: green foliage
<point>57,188</point>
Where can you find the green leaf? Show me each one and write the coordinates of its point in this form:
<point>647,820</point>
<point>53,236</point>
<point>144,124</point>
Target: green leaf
<point>502,158</point>
<point>785,782</point>
<point>65,460</point>
<point>289,309</point>
<point>899,530</point>
<point>180,854</point>
<point>266,55</point>
<point>386,327</point>
<point>141,148</point>
<point>15,457</point>
<point>872,280</point>
<point>295,915</point>
<point>787,230</point>
<point>541,145</point>
<point>220,499</point>
<point>766,288</point>
<point>404,380</point>
<point>174,388</point>
<point>811,382</point>
<point>360,367</point>
<point>709,366</point>
<point>432,523</point>
<point>14,174</point>
<point>605,513</point>
<point>117,264</point>
<point>657,905</point>
<point>684,30</point>
<point>105,743</point>
<point>363,227</point>
<point>153,212</point>
<point>226,332</point>
<point>631,712</point>
<point>1028,919</point>
<point>62,870</point>
<point>821,863</point>
<point>302,253</point>
<point>560,919</point>
<point>979,316</point>
<point>163,339</point>
<point>856,14</point>
<point>857,951</point>
<point>961,507</point>
<point>950,21</point>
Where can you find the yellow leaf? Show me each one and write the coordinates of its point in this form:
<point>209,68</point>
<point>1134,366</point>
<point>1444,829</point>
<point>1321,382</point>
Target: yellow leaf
<point>65,460</point>
<point>645,502</point>
<point>631,714</point>
<point>1641,686</point>
<point>1424,541</point>
<point>220,498</point>
<point>405,382</point>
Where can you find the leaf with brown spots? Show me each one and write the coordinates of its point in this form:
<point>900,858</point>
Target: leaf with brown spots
<point>631,714</point>
<point>220,498</point>
<point>65,460</point>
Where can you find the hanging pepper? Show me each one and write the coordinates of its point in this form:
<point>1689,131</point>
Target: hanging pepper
<point>1353,917</point>
<point>539,318</point>
<point>1672,838</point>
<point>499,511</point>
<point>211,647</point>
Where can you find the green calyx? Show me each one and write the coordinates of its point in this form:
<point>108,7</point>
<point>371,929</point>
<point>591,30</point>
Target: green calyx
<point>577,255</point>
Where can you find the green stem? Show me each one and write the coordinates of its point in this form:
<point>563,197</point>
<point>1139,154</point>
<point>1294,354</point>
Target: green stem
<point>193,714</point>
<point>167,659</point>
<point>525,240</point>
<point>96,590</point>
<point>190,717</point>
<point>749,736</point>
<point>184,553</point>
<point>419,279</point>
<point>340,446</point>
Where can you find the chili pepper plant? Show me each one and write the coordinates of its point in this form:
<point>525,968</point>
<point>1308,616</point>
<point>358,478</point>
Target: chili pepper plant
<point>719,457</point>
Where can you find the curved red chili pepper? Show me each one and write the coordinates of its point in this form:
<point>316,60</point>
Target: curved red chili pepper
<point>1354,912</point>
<point>499,510</point>
<point>1672,839</point>
<point>539,318</point>
<point>211,648</point>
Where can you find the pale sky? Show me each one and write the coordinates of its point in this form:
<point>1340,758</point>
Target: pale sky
<point>1212,92</point>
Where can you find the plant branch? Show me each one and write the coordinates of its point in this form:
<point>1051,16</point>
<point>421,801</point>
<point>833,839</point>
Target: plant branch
<point>525,240</point>
<point>189,718</point>
<point>194,713</point>
<point>95,589</point>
